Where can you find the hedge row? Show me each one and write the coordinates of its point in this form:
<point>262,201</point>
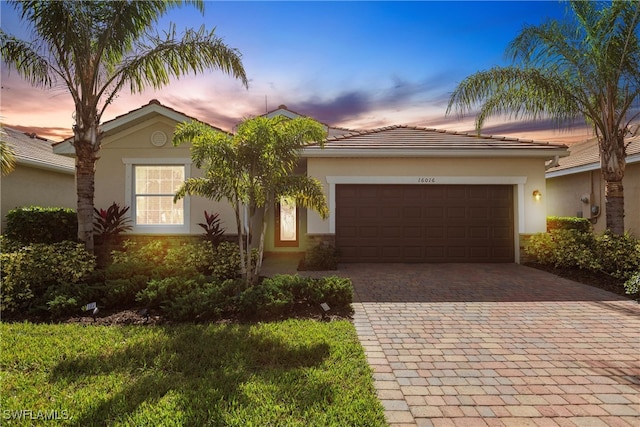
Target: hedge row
<point>194,281</point>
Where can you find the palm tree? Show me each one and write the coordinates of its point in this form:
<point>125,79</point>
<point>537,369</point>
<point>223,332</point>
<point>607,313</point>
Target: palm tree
<point>586,67</point>
<point>95,49</point>
<point>7,156</point>
<point>254,168</point>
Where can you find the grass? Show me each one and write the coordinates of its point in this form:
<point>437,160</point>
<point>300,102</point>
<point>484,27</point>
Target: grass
<point>290,373</point>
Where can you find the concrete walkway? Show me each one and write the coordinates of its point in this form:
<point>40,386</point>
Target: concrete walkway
<point>496,345</point>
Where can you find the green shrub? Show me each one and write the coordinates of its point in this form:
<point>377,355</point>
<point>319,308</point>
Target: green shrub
<point>42,225</point>
<point>335,291</point>
<point>569,223</point>
<point>321,258</point>
<point>281,294</point>
<point>29,273</point>
<point>62,300</point>
<point>208,301</point>
<point>272,297</point>
<point>564,248</point>
<point>632,285</point>
<point>159,292</point>
<point>616,255</point>
<point>192,259</point>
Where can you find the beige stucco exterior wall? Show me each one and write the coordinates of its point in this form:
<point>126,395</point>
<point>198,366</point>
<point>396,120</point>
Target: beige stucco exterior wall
<point>29,186</point>
<point>133,144</point>
<point>530,215</point>
<point>565,193</point>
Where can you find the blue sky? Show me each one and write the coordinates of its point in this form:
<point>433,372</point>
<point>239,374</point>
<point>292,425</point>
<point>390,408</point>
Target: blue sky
<point>348,64</point>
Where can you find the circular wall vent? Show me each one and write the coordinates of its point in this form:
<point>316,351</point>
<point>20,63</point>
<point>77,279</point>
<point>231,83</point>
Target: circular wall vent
<point>158,138</point>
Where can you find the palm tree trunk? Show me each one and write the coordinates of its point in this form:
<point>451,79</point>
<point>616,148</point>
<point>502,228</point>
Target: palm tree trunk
<point>85,186</point>
<point>614,202</point>
<point>612,164</point>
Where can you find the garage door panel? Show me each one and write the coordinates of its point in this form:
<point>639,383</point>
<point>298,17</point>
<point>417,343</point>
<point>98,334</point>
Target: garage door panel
<point>433,213</point>
<point>431,223</point>
<point>433,232</point>
<point>412,212</point>
<point>457,212</point>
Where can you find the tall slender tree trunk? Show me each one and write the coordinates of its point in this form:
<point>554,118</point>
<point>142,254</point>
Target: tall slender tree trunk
<point>265,213</point>
<point>243,265</point>
<point>85,186</point>
<point>612,164</point>
<point>614,202</point>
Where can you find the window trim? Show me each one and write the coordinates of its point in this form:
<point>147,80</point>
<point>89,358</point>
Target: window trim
<point>130,163</point>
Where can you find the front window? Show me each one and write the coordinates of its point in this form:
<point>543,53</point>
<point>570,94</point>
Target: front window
<point>154,189</point>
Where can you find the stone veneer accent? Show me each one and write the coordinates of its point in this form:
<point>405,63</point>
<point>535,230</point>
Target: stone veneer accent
<point>524,241</point>
<point>314,240</point>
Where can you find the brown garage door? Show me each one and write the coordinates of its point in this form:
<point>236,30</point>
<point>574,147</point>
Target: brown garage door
<point>425,223</point>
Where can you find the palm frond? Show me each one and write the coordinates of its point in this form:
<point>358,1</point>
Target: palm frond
<point>7,158</point>
<point>25,59</point>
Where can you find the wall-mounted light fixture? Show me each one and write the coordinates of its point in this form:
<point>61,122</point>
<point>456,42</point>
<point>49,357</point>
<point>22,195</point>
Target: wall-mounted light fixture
<point>537,195</point>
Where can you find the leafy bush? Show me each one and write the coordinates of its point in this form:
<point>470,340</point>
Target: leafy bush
<point>279,295</point>
<point>632,285</point>
<point>273,297</point>
<point>109,223</point>
<point>34,272</point>
<point>41,225</point>
<point>564,248</point>
<point>161,291</point>
<point>193,299</point>
<point>618,256</point>
<point>335,291</point>
<point>213,231</point>
<point>208,301</point>
<point>159,259</point>
<point>569,223</point>
<point>321,258</point>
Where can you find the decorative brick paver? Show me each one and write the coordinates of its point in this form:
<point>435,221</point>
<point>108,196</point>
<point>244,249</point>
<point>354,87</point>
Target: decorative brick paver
<point>496,345</point>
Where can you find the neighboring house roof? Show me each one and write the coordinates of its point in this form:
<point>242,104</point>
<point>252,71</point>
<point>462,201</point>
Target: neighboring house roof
<point>585,156</point>
<point>282,110</point>
<point>132,118</point>
<point>34,151</point>
<point>402,141</point>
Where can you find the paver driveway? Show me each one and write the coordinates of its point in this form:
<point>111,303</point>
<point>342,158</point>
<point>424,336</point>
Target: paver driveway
<point>497,345</point>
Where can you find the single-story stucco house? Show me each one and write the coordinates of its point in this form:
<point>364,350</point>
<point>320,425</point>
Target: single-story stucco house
<point>575,186</point>
<point>395,194</point>
<point>40,178</point>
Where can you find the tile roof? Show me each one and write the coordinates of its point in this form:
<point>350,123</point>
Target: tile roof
<point>36,151</point>
<point>287,112</point>
<point>405,137</point>
<point>586,154</point>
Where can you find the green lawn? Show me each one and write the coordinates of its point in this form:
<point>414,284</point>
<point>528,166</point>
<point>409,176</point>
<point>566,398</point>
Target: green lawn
<point>291,373</point>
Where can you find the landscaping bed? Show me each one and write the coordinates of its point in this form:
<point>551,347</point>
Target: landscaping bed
<point>599,280</point>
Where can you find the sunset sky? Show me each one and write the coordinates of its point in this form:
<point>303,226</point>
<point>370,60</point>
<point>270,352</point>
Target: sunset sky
<point>357,65</point>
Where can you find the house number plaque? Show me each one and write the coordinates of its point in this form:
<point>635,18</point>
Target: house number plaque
<point>426,180</point>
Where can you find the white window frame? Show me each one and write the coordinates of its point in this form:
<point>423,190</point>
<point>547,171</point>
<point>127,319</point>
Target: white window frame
<point>130,164</point>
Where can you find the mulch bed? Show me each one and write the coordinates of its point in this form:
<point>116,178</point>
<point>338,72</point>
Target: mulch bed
<point>598,280</point>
